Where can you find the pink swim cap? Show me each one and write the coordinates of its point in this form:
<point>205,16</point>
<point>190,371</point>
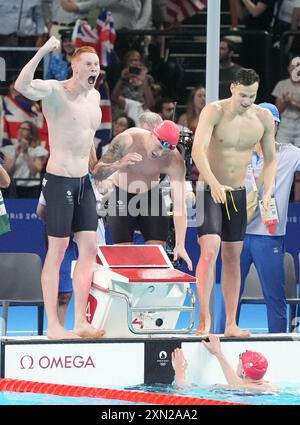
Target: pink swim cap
<point>254,364</point>
<point>167,131</point>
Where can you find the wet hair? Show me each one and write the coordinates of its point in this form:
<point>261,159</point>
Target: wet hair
<point>245,76</point>
<point>83,49</point>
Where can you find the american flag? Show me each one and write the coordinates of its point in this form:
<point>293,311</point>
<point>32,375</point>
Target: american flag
<point>178,10</point>
<point>102,38</point>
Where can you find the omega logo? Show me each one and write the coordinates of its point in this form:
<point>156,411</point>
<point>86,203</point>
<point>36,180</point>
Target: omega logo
<point>61,362</point>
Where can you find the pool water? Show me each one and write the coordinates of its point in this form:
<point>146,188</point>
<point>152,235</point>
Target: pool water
<point>16,398</point>
<point>285,395</point>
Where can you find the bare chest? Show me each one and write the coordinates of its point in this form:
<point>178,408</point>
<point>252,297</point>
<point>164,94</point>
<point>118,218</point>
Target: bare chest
<point>74,112</point>
<point>83,113</point>
<point>240,134</point>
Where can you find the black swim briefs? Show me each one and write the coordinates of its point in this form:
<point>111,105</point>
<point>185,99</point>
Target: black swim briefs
<point>70,205</point>
<point>228,220</point>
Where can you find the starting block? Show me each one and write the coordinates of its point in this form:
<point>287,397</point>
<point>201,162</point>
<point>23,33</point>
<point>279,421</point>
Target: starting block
<point>137,291</point>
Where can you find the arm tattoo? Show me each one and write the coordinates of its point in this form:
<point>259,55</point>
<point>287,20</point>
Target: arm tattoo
<point>105,167</point>
<point>114,153</point>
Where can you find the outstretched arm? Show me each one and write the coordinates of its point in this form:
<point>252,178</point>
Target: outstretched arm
<point>25,83</point>
<point>115,158</point>
<point>214,347</point>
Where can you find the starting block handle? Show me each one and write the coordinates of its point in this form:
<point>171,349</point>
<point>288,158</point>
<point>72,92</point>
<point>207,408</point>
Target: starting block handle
<point>191,309</point>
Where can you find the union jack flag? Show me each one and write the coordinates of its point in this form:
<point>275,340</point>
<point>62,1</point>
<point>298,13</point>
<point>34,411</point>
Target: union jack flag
<point>178,10</point>
<point>102,38</point>
<point>104,131</point>
<point>17,110</point>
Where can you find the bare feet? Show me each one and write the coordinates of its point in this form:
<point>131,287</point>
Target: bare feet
<point>204,326</point>
<point>58,332</point>
<point>235,331</point>
<point>85,330</point>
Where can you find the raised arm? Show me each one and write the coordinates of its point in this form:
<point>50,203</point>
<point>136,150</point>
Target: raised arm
<point>116,158</point>
<point>209,117</point>
<point>176,175</point>
<point>214,347</point>
<point>25,83</point>
<point>269,153</point>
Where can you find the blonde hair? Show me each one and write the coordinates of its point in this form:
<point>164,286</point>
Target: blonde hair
<point>81,50</point>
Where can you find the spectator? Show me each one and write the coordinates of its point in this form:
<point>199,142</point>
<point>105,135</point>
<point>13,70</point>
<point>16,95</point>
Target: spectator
<point>227,68</point>
<point>26,160</point>
<point>283,17</point>
<point>120,124</point>
<point>252,367</point>
<point>292,44</point>
<point>59,67</point>
<point>57,18</point>
<point>287,95</point>
<point>20,27</point>
<point>134,84</point>
<point>131,14</point>
<point>256,15</point>
<point>16,109</point>
<point>287,98</point>
<point>165,107</point>
<point>132,108</point>
<point>195,104</point>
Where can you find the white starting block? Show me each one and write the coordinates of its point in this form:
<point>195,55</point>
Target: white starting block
<point>136,290</point>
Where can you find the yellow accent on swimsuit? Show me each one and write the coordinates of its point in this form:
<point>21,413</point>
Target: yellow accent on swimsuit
<point>233,203</point>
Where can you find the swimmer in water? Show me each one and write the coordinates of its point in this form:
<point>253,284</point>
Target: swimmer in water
<point>252,367</point>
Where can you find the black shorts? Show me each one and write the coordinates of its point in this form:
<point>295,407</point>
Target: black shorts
<point>229,225</point>
<point>146,212</point>
<point>70,205</point>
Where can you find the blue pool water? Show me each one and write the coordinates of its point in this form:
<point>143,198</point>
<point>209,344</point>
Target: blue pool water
<point>285,395</point>
<point>15,398</point>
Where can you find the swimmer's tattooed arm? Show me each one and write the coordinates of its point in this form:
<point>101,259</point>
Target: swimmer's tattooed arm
<point>115,159</point>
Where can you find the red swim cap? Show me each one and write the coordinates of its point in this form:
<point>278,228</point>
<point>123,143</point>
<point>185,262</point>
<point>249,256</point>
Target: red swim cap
<point>254,364</point>
<point>167,131</point>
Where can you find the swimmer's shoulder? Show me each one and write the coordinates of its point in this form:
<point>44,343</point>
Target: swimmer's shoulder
<point>124,139</point>
<point>264,115</point>
<point>213,111</point>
